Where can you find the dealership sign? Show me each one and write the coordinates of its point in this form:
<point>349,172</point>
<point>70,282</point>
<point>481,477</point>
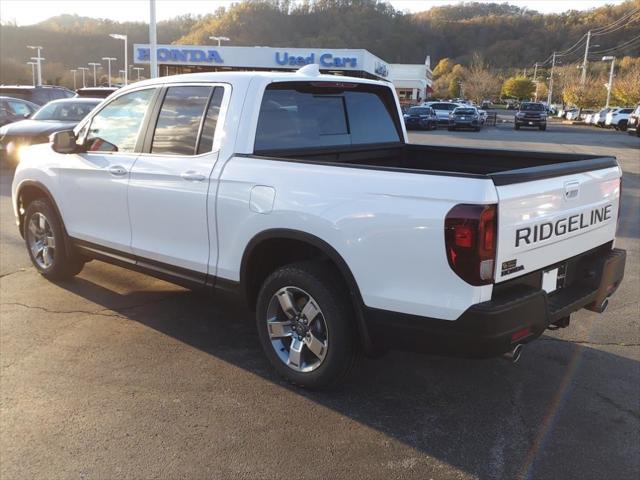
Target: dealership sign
<point>180,55</point>
<point>264,57</point>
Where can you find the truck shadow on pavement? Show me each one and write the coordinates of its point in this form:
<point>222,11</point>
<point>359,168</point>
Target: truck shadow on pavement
<point>565,411</point>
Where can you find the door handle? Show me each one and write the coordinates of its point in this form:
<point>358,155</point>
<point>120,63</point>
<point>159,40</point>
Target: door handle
<point>192,176</point>
<point>117,170</point>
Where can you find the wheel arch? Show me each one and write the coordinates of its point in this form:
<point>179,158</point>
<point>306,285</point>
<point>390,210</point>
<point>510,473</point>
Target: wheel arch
<point>27,192</point>
<point>251,278</point>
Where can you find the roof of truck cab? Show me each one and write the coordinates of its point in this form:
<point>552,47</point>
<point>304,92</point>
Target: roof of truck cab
<point>231,77</point>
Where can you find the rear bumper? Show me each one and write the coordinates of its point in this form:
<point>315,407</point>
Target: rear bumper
<point>516,315</point>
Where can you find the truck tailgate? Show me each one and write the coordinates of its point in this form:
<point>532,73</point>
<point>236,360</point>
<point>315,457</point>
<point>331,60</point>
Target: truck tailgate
<point>543,222</point>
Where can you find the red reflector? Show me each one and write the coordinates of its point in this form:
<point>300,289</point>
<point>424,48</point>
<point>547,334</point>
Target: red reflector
<point>520,334</point>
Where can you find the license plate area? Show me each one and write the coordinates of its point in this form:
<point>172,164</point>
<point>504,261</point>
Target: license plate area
<point>553,279</point>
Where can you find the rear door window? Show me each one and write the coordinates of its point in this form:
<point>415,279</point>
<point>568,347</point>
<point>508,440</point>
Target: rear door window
<point>180,119</point>
<point>323,114</point>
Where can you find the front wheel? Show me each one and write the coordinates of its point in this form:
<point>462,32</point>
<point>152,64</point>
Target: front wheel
<point>622,126</point>
<point>46,243</point>
<point>305,324</point>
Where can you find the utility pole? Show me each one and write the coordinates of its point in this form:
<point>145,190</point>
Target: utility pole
<point>39,60</point>
<point>610,84</point>
<point>33,72</point>
<point>535,79</point>
<point>83,70</point>
<point>153,55</point>
<point>94,65</point>
<point>109,60</point>
<point>550,95</point>
<point>583,77</point>
<point>74,79</point>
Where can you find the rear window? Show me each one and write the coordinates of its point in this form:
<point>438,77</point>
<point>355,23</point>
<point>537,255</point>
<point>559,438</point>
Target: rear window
<point>420,111</point>
<point>532,107</point>
<point>464,111</point>
<point>325,114</point>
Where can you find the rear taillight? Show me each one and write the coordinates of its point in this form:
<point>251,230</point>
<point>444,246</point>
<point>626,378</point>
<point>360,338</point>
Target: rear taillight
<point>470,239</point>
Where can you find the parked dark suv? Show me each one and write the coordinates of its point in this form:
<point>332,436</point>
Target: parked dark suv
<point>38,95</point>
<point>531,114</point>
<point>423,118</point>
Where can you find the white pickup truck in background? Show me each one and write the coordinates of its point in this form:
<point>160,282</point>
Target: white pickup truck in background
<point>300,192</point>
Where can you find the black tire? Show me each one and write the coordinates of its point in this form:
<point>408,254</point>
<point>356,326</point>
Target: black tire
<point>517,127</point>
<point>450,129</point>
<point>622,125</point>
<point>62,264</point>
<point>543,127</point>
<point>327,289</point>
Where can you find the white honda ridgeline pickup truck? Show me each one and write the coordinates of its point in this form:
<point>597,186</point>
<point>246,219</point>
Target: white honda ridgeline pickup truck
<point>300,192</point>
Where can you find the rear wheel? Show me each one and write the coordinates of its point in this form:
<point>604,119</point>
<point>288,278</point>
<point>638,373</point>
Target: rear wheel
<point>622,125</point>
<point>47,243</point>
<point>304,320</point>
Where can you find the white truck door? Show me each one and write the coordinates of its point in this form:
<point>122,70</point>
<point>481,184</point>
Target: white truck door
<point>94,197</point>
<point>170,180</point>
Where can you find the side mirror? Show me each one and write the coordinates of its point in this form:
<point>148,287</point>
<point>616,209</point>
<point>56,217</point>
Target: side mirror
<point>63,142</point>
<point>27,115</point>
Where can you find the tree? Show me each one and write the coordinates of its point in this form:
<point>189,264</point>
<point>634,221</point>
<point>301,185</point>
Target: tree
<point>443,67</point>
<point>591,94</point>
<point>626,86</point>
<point>479,82</point>
<point>518,87</point>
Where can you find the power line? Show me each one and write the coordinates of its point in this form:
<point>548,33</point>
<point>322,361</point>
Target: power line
<point>623,45</point>
<point>619,27</point>
<point>605,29</point>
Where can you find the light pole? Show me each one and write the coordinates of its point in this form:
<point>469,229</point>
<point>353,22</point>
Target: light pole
<point>94,65</point>
<point>220,39</point>
<point>153,55</point>
<point>138,70</point>
<point>74,78</point>
<point>612,59</point>
<point>109,60</point>
<point>33,72</point>
<point>120,36</point>
<point>83,70</point>
<point>535,79</point>
<point>550,94</point>
<point>38,59</point>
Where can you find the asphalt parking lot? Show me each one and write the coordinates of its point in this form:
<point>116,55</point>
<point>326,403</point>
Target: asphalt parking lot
<point>119,375</point>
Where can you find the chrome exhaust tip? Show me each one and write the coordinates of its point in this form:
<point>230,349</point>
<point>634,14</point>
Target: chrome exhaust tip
<point>514,355</point>
<point>604,305</point>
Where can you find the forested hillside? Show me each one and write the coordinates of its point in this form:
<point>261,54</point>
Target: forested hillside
<point>507,37</point>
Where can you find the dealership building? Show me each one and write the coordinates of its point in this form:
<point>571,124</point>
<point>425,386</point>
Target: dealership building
<point>413,82</point>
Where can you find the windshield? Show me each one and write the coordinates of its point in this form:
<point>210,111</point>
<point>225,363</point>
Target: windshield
<point>65,111</point>
<point>419,111</point>
<point>465,111</point>
<point>532,107</point>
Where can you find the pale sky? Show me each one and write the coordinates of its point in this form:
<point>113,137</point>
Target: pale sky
<point>26,12</point>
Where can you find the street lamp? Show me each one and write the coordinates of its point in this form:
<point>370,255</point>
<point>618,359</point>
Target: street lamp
<point>120,36</point>
<point>109,60</point>
<point>138,70</point>
<point>612,59</point>
<point>83,70</point>
<point>220,39</point>
<point>94,65</point>
<point>74,78</point>
<point>33,72</point>
<point>38,59</point>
